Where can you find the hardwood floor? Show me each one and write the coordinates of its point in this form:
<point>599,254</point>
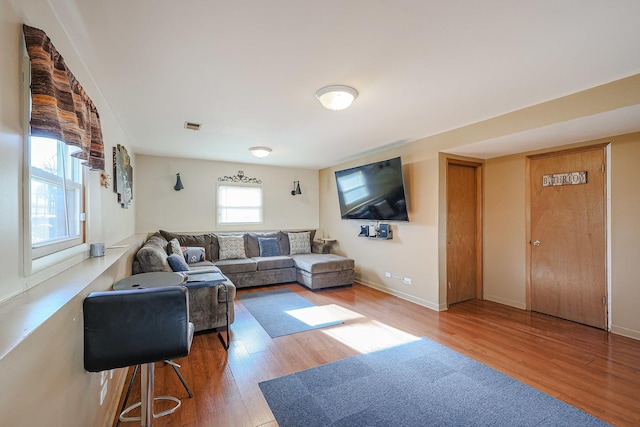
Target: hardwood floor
<point>583,366</point>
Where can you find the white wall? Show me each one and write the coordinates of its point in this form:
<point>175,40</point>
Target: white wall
<point>107,221</point>
<point>159,206</point>
<point>41,372</point>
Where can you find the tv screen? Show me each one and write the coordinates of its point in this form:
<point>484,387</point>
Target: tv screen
<point>374,192</point>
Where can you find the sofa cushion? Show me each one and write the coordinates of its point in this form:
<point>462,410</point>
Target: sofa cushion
<point>231,266</point>
<point>173,247</point>
<point>231,247</point>
<point>177,263</point>
<point>273,262</point>
<point>268,246</point>
<point>203,267</point>
<point>284,241</point>
<point>253,245</point>
<point>193,254</point>
<point>299,243</point>
<point>322,263</point>
<point>153,255</point>
<point>206,241</point>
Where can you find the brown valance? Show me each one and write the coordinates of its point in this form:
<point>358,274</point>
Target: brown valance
<point>60,108</point>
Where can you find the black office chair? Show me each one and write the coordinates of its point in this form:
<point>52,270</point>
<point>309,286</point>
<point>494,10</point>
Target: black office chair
<point>137,327</point>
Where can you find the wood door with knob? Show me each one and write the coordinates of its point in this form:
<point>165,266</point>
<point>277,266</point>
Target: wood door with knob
<point>464,248</point>
<point>568,236</point>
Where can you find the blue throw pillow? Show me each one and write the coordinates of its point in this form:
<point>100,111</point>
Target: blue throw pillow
<point>268,246</point>
<point>177,263</point>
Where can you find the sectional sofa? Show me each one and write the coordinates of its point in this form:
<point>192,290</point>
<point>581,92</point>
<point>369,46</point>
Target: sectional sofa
<point>246,259</point>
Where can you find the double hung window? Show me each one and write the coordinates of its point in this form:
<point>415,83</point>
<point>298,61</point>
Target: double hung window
<point>56,198</point>
<point>239,204</point>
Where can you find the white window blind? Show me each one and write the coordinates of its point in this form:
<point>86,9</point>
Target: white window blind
<point>239,204</point>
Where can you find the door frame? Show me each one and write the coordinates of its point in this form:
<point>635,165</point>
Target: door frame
<point>607,215</point>
<point>479,230</point>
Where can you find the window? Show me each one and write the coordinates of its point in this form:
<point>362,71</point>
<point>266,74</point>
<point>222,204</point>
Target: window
<point>239,204</point>
<point>56,199</point>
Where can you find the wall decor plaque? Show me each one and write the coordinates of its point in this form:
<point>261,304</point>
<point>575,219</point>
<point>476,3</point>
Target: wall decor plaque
<point>122,176</point>
<point>569,178</point>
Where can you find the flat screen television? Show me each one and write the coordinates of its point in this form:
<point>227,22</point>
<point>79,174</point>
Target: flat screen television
<point>373,192</point>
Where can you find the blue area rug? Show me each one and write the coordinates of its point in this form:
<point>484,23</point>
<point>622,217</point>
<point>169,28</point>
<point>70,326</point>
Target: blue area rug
<point>283,312</point>
<point>421,383</point>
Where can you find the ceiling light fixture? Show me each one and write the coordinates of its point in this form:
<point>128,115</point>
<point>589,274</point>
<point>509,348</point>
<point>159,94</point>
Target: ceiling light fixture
<point>260,152</point>
<point>336,97</point>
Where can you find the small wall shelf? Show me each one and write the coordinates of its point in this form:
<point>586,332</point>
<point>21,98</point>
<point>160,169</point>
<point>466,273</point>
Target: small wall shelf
<point>389,237</point>
<point>382,232</point>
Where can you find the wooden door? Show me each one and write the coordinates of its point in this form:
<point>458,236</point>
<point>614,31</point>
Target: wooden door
<point>463,233</point>
<point>568,252</point>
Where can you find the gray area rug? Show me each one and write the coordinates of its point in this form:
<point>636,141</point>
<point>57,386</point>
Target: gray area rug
<point>283,312</point>
<point>421,383</point>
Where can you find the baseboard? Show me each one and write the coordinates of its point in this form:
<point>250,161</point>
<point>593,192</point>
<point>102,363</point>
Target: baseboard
<point>402,295</point>
<point>625,332</point>
<point>113,406</point>
<point>503,301</point>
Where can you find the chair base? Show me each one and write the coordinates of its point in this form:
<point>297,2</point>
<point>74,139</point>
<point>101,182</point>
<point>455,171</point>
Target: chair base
<point>125,419</point>
<point>147,401</point>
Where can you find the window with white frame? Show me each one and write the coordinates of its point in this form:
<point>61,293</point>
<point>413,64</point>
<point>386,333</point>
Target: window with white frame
<point>56,197</point>
<point>239,204</point>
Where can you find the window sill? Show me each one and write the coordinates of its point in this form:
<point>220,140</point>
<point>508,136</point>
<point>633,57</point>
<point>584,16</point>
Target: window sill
<point>21,315</point>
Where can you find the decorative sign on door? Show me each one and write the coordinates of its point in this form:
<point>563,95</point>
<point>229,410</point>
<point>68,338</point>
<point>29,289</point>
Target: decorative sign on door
<point>569,178</point>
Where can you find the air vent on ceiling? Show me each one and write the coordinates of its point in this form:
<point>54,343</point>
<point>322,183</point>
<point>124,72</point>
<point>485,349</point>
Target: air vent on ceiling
<point>192,126</point>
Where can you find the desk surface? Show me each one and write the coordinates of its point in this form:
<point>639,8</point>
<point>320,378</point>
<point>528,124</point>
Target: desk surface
<point>158,279</point>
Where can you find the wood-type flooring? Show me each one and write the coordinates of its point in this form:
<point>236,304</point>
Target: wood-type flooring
<point>588,368</point>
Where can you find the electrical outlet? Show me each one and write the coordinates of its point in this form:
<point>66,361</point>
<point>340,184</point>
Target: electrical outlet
<point>407,280</point>
<point>387,274</point>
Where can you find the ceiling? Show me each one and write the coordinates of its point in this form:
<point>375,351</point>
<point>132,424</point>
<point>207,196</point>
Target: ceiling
<point>248,71</point>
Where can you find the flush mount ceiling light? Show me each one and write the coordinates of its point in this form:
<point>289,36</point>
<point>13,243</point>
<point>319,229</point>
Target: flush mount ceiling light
<point>260,152</point>
<point>336,97</point>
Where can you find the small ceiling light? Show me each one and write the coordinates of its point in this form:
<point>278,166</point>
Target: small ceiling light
<point>260,152</point>
<point>336,97</point>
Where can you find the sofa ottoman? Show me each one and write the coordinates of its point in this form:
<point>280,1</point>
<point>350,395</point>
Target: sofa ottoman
<point>319,271</point>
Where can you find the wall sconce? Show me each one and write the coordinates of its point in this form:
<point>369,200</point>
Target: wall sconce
<point>296,188</point>
<point>178,185</point>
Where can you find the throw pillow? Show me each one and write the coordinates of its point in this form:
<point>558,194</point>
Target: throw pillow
<point>299,243</point>
<point>177,262</point>
<point>173,247</point>
<point>193,254</point>
<point>231,247</point>
<point>268,246</point>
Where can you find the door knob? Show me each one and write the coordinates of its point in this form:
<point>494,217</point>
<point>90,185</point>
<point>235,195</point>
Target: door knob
<point>536,243</point>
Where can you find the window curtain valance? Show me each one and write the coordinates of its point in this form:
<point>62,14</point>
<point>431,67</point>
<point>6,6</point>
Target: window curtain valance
<point>60,108</point>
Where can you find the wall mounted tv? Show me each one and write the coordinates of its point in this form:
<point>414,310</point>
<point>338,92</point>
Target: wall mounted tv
<point>373,192</point>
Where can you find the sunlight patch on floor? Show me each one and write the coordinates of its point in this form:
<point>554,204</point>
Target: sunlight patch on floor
<point>320,315</point>
<point>369,336</point>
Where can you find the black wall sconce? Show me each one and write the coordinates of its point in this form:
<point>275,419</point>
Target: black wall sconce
<point>178,185</point>
<point>296,188</point>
